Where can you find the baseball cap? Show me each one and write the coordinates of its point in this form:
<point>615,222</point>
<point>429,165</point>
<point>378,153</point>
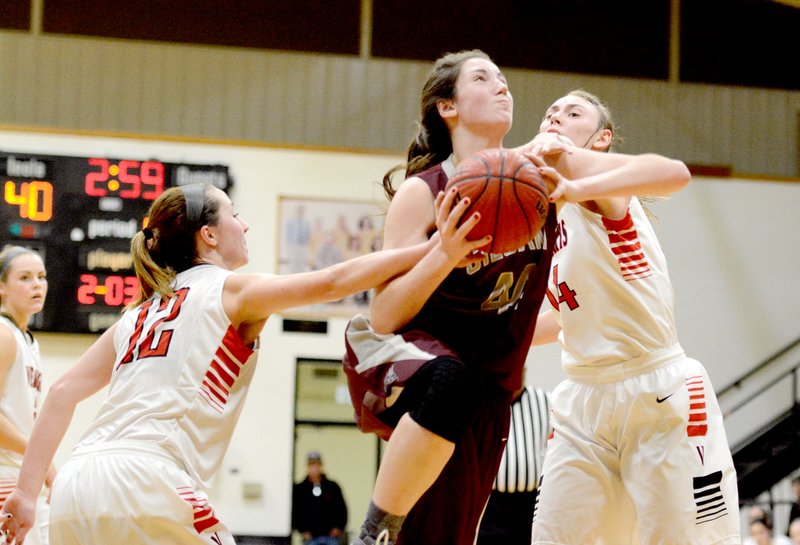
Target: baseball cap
<point>314,456</point>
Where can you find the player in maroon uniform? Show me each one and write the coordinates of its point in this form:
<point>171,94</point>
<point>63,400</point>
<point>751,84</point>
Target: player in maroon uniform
<point>462,333</point>
<point>435,369</point>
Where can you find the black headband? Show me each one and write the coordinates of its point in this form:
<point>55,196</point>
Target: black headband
<point>194,196</point>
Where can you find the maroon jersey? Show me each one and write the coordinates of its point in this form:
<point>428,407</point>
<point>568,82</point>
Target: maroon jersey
<point>485,315</point>
<point>487,312</point>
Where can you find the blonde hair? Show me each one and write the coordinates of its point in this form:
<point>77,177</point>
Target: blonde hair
<point>166,246</point>
<point>9,253</point>
<point>607,122</point>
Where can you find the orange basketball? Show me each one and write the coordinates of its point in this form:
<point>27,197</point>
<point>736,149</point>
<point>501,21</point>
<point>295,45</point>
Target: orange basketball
<point>509,193</point>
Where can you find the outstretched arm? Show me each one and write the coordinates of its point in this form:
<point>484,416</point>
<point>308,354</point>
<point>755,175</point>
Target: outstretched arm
<point>411,217</point>
<point>609,180</point>
<point>86,377</point>
<point>252,298</point>
<point>598,175</point>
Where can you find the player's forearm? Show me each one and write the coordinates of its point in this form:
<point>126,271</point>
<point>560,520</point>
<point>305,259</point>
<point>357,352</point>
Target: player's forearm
<point>51,425</point>
<point>645,175</point>
<point>365,272</point>
<point>398,302</point>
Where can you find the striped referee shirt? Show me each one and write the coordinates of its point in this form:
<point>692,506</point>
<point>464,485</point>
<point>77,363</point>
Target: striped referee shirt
<point>527,437</point>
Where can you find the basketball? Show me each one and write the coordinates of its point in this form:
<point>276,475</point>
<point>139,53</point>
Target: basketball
<point>509,193</point>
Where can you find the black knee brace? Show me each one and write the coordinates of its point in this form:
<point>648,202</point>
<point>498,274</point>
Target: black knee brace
<point>442,397</point>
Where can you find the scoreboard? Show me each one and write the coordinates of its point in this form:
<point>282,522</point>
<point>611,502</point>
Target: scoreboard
<point>80,213</point>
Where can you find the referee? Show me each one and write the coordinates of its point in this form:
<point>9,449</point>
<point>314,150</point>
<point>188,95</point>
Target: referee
<point>508,516</point>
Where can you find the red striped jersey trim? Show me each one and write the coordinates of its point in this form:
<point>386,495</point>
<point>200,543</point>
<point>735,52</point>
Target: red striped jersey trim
<point>6,488</point>
<point>202,511</point>
<point>698,418</point>
<point>623,240</point>
<point>224,369</point>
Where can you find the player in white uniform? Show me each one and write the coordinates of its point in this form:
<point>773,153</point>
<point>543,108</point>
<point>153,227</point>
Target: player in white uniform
<point>178,365</point>
<point>23,288</point>
<point>639,452</point>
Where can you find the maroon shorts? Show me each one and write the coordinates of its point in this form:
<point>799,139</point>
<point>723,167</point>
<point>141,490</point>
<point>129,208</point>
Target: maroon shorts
<point>449,512</point>
<point>378,366</point>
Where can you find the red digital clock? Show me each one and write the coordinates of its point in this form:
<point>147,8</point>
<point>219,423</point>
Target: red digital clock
<point>112,290</point>
<point>80,214</point>
<point>125,179</point>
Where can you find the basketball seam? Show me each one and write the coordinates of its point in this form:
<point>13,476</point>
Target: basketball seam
<point>480,185</point>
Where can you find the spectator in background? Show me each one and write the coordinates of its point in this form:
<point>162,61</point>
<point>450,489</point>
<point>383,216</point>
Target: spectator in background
<point>509,514</point>
<point>760,523</point>
<point>794,513</point>
<point>760,533</point>
<point>319,511</point>
<point>794,531</point>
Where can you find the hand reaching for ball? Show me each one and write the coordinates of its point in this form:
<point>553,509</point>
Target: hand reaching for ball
<point>453,231</point>
<point>546,144</point>
<point>561,189</point>
<point>508,192</point>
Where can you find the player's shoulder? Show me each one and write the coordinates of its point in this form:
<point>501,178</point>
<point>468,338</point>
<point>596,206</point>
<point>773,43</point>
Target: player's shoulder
<point>414,185</point>
<point>7,333</point>
<point>412,198</point>
<point>8,342</point>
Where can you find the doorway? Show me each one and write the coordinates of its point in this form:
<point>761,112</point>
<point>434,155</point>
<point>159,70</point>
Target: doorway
<point>324,423</point>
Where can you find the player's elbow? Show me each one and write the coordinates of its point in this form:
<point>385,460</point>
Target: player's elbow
<point>675,173</point>
<point>383,323</point>
<point>61,395</point>
<point>681,174</point>
<point>388,319</point>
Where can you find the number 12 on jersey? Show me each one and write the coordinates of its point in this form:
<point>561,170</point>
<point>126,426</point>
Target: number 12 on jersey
<point>148,347</point>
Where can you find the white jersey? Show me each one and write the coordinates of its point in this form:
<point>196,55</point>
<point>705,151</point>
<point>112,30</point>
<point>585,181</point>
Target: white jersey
<point>180,378</point>
<point>610,283</point>
<point>20,397</point>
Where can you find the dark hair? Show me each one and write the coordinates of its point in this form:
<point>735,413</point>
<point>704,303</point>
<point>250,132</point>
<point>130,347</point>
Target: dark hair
<point>762,520</point>
<point>166,246</point>
<point>433,144</point>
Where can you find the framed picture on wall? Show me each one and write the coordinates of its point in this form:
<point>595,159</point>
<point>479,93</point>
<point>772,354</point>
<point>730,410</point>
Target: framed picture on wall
<point>316,233</point>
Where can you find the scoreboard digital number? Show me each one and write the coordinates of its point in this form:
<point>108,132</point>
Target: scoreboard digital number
<point>80,213</point>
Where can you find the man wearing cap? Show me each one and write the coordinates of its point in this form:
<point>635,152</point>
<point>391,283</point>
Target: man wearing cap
<point>319,511</point>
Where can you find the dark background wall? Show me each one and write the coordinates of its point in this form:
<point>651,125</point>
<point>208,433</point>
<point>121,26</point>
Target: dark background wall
<point>733,42</point>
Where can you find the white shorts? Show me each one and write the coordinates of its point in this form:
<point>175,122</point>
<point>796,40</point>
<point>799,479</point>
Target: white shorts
<point>643,459</point>
<point>124,495</point>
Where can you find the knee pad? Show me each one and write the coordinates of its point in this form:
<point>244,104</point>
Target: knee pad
<point>448,397</point>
